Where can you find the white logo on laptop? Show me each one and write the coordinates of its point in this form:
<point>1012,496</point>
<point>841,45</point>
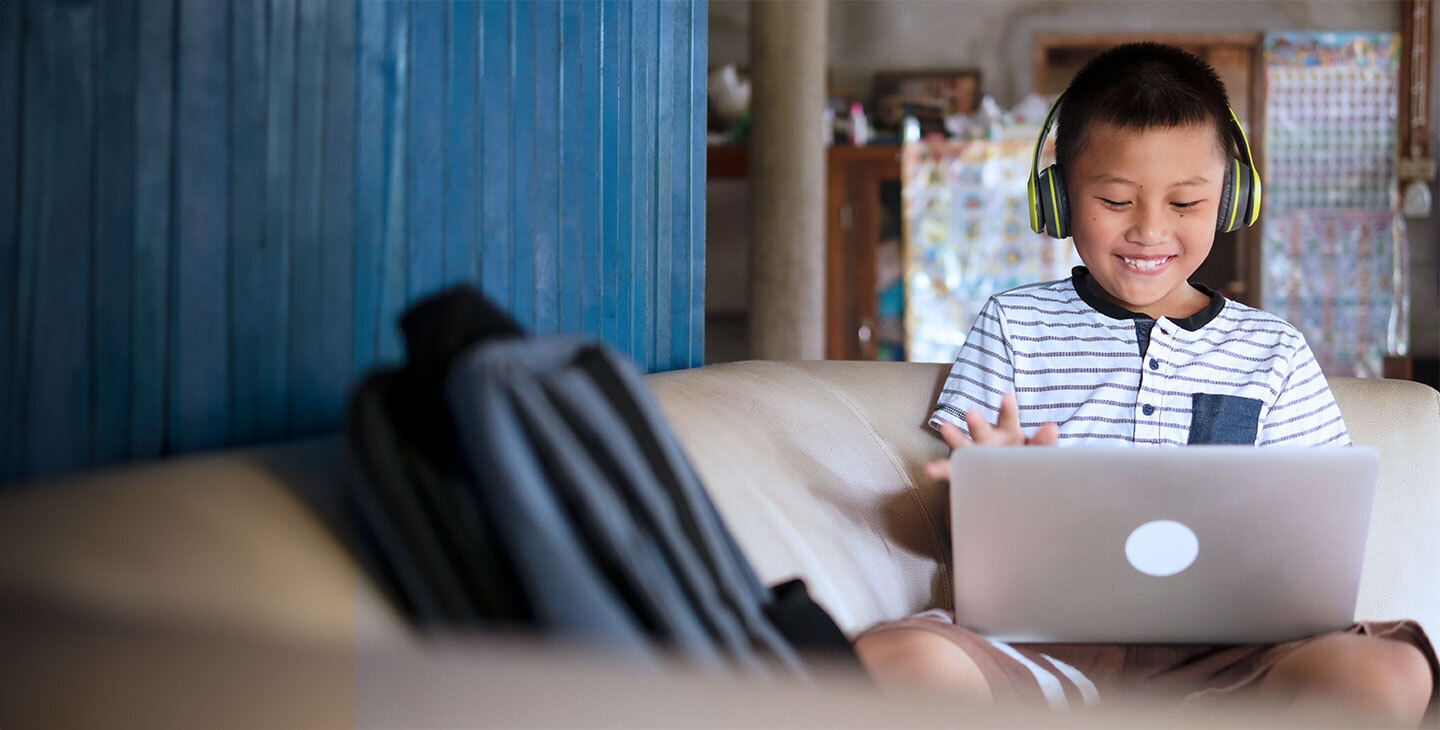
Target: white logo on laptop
<point>1161,548</point>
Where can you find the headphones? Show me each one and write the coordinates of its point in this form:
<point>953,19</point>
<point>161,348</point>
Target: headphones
<point>1050,208</point>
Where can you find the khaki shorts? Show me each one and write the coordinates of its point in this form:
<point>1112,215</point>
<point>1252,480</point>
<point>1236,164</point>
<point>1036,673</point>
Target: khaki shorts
<point>1077,675</point>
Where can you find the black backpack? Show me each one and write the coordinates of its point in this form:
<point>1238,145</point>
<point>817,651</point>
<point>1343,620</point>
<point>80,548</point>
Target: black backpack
<point>532,483</point>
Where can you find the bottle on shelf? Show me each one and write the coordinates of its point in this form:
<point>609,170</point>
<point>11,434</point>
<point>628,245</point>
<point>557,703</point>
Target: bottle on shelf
<point>859,126</point>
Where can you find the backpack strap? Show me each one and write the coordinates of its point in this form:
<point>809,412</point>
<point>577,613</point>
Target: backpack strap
<point>807,626</point>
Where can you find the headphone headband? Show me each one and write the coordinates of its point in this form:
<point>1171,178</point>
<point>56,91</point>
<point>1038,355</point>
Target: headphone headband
<point>1044,132</point>
<point>1237,132</point>
<point>1254,209</point>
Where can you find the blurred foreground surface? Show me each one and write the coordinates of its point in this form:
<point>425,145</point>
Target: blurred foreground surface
<point>61,671</point>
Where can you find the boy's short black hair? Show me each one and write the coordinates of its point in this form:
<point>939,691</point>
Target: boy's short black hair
<point>1141,86</point>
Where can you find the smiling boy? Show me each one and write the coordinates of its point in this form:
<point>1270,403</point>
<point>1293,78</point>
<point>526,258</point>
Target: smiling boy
<point>1150,164</point>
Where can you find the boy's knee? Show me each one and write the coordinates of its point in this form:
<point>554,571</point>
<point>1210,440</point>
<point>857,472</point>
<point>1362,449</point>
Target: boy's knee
<point>905,651</point>
<point>919,660</point>
<point>1386,681</point>
<point>1410,682</point>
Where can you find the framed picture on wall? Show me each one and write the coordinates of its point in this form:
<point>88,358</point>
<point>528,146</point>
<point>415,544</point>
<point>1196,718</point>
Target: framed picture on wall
<point>930,96</point>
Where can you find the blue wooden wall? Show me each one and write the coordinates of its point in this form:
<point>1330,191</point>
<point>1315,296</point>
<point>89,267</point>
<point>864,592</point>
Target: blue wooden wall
<point>211,212</point>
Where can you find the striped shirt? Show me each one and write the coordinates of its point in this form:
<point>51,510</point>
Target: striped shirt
<point>1228,374</point>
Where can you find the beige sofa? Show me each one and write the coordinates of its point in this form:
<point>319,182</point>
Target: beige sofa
<point>814,465</point>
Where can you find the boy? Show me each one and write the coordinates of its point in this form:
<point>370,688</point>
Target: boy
<point>1128,351</point>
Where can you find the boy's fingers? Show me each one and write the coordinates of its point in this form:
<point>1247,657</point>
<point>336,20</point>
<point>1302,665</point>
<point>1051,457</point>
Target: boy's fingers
<point>1046,435</point>
<point>954,438</point>
<point>980,430</point>
<point>939,470</point>
<point>1009,420</point>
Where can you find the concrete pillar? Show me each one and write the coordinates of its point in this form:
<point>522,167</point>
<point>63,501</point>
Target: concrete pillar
<point>787,180</point>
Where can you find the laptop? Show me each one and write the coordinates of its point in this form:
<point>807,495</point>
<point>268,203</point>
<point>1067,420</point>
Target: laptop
<point>1201,544</point>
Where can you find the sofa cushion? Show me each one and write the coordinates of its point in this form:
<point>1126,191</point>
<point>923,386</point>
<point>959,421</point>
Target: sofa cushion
<point>816,468</point>
<point>248,541</point>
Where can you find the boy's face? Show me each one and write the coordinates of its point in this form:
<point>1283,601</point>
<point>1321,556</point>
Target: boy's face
<point>1143,205</point>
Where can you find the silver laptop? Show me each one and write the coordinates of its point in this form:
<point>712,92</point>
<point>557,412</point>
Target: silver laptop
<point>1202,544</point>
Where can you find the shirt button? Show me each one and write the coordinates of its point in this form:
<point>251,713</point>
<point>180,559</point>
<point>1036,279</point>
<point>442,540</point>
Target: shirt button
<point>1154,364</point>
<point>1148,409</point>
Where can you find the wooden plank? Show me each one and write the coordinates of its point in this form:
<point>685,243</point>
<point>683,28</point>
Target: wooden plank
<point>337,277</point>
<point>10,172</point>
<point>154,154</point>
<point>497,233</point>
<point>461,137</point>
<point>32,170</point>
<point>199,380</point>
<point>589,164</point>
<point>643,108</point>
<point>267,297</point>
<point>611,179</point>
<point>625,176</point>
<point>55,234</point>
<point>370,120</point>
<point>590,168</point>
<point>306,362</point>
<point>1417,36</point>
<point>251,286</point>
<point>425,152</point>
<point>391,276</point>
<point>114,231</point>
<point>669,135</point>
<point>699,54</point>
<point>682,190</point>
<point>522,146</point>
<point>837,300</point>
<point>544,207</point>
<point>577,128</point>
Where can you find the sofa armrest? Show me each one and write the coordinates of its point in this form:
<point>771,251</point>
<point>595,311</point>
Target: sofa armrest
<point>1401,577</point>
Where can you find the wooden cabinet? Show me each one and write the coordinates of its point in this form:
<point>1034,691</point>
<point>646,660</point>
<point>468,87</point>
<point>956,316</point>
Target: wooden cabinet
<point>854,200</point>
<point>855,191</point>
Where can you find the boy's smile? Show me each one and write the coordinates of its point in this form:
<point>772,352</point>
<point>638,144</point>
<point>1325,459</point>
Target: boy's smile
<point>1143,206</point>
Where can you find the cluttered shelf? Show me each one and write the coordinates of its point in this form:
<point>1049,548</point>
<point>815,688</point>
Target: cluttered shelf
<point>733,161</point>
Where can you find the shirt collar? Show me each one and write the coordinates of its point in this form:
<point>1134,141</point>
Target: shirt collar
<point>1085,288</point>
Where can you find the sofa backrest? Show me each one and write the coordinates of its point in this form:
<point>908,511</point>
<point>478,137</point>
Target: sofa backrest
<point>816,467</point>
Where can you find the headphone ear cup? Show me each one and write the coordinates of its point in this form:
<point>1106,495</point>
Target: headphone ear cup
<point>1237,199</point>
<point>1248,188</point>
<point>1062,202</point>
<point>1054,206</point>
<point>1227,200</point>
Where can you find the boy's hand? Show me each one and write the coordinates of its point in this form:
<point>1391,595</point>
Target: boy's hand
<point>1005,433</point>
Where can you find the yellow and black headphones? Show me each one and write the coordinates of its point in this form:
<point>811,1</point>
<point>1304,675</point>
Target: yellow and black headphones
<point>1050,208</point>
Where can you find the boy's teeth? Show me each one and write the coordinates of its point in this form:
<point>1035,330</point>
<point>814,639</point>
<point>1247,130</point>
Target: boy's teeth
<point>1145,264</point>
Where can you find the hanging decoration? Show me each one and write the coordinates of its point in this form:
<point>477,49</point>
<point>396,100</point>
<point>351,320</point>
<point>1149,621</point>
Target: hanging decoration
<point>967,236</point>
<point>1333,250</point>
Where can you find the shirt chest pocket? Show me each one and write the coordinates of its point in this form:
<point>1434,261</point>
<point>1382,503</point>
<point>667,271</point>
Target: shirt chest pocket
<point>1223,419</point>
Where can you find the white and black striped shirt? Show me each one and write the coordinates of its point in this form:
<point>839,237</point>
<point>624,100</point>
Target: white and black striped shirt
<point>1228,374</point>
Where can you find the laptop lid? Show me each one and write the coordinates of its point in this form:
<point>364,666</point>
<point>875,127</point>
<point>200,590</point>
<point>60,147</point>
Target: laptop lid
<point>1202,544</point>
